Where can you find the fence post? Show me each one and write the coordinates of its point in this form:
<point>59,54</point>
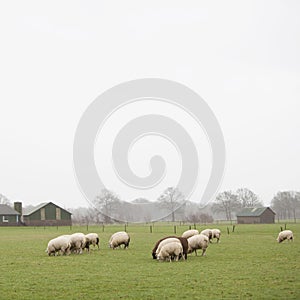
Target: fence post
<point>227,230</point>
<point>125,228</point>
<point>150,228</point>
<point>194,226</point>
<point>284,226</point>
<point>175,229</point>
<point>233,227</point>
<point>190,227</point>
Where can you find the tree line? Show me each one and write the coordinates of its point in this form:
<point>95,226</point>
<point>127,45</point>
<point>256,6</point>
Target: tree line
<point>286,205</point>
<point>171,205</point>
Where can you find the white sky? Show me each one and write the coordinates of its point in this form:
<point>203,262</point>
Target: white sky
<point>56,57</point>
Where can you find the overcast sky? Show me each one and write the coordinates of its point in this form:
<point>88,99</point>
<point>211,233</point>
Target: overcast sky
<point>56,57</point>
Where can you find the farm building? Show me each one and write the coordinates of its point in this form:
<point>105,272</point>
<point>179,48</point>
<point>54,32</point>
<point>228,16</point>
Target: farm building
<point>9,216</point>
<point>250,215</point>
<point>47,214</point>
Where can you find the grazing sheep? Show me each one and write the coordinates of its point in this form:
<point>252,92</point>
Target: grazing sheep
<point>60,243</point>
<point>182,240</point>
<point>169,251</point>
<point>118,239</point>
<point>208,233</point>
<point>166,241</point>
<point>216,233</point>
<point>199,241</point>
<point>77,241</point>
<point>190,233</point>
<point>285,235</point>
<point>92,239</point>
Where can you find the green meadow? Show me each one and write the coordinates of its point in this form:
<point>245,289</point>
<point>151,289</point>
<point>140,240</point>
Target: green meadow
<point>247,264</point>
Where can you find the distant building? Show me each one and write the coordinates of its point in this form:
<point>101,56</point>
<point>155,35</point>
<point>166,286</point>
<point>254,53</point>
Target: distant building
<point>257,215</point>
<point>9,216</point>
<point>47,214</point>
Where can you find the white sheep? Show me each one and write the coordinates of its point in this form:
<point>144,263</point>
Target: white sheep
<point>208,233</point>
<point>60,243</point>
<point>166,241</point>
<point>118,239</point>
<point>285,235</point>
<point>216,233</point>
<point>170,250</point>
<point>190,233</point>
<point>92,239</point>
<point>78,242</point>
<point>199,241</point>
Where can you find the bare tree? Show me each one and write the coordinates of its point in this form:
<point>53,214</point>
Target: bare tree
<point>4,200</point>
<point>286,204</point>
<point>226,202</point>
<point>107,203</point>
<point>247,198</point>
<point>171,199</point>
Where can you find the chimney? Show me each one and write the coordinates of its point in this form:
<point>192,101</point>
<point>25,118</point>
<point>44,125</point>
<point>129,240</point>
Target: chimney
<point>18,208</point>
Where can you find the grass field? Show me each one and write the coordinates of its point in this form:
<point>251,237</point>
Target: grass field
<point>246,264</point>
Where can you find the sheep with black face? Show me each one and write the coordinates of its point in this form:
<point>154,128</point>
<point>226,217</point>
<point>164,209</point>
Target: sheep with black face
<point>60,244</point>
<point>285,235</point>
<point>119,238</point>
<point>199,241</point>
<point>216,233</point>
<point>92,239</point>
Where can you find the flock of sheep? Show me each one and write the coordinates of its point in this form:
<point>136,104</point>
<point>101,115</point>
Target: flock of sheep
<point>166,249</point>
<point>77,242</point>
<point>173,248</point>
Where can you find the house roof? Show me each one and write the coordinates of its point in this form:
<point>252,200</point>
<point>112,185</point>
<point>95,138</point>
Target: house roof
<point>253,212</point>
<point>41,205</point>
<point>7,210</point>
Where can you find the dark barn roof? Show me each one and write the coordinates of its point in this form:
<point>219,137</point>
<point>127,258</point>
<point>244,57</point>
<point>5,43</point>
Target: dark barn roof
<point>41,205</point>
<point>7,210</point>
<point>253,212</point>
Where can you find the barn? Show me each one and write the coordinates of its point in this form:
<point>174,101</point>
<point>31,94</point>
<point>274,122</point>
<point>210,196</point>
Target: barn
<point>257,215</point>
<point>47,214</point>
<point>9,216</point>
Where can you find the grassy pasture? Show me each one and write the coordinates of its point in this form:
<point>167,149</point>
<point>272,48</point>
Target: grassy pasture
<point>247,264</point>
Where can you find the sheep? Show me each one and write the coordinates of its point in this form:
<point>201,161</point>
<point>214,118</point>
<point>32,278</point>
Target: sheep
<point>60,243</point>
<point>285,235</point>
<point>169,250</point>
<point>208,233</point>
<point>183,241</point>
<point>190,233</point>
<point>78,242</point>
<point>199,241</point>
<point>216,233</point>
<point>118,239</point>
<point>166,241</point>
<point>92,239</point>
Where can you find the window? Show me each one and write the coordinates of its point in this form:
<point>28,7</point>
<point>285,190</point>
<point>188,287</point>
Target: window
<point>43,214</point>
<point>58,213</point>
<point>4,219</point>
